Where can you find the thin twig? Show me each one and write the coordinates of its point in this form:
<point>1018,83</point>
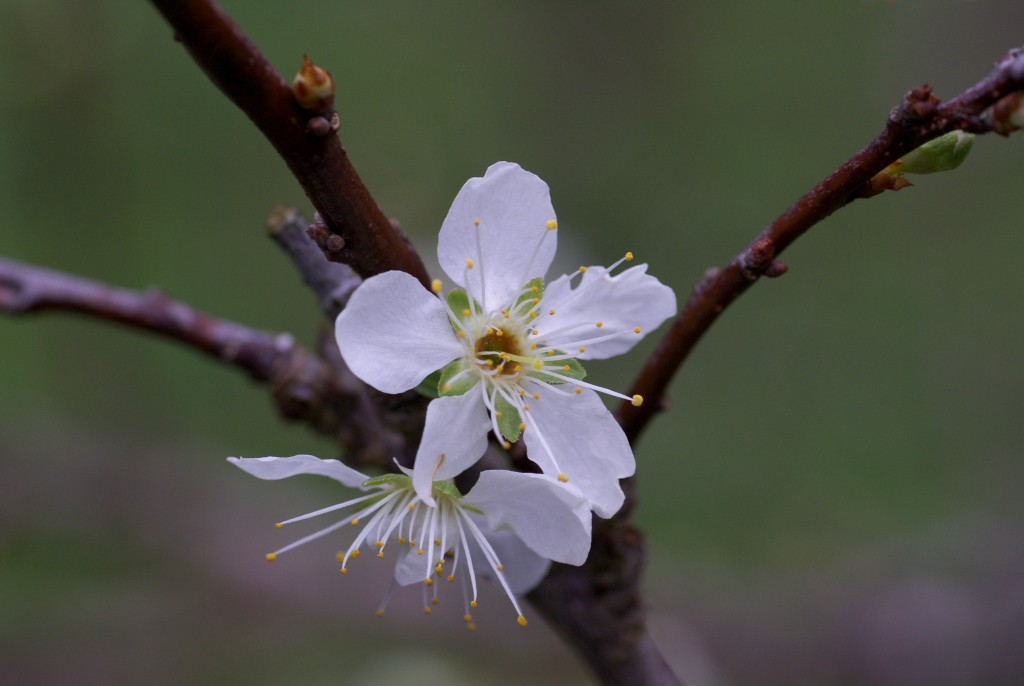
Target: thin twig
<point>918,119</point>
<point>305,387</point>
<point>366,239</point>
<point>332,282</point>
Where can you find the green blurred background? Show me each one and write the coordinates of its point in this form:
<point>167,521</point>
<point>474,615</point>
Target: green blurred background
<point>834,496</point>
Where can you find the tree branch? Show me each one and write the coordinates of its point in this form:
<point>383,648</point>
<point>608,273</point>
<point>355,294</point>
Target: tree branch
<point>305,387</point>
<point>332,282</point>
<point>311,149</point>
<point>919,118</point>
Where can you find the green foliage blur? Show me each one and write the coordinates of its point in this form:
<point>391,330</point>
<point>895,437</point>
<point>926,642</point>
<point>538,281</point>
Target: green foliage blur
<point>834,490</point>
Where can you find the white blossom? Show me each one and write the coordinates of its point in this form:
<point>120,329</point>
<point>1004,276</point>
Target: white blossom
<point>508,527</point>
<point>508,347</point>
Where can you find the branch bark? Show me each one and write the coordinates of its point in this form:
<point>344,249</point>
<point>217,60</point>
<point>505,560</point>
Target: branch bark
<point>919,118</point>
<point>368,241</point>
<point>305,387</point>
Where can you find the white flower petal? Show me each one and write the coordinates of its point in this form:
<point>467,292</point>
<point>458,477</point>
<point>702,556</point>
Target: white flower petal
<point>456,429</point>
<point>410,568</point>
<point>272,468</point>
<point>551,518</point>
<point>394,332</point>
<point>587,443</point>
<point>621,302</point>
<point>511,244</point>
<point>523,568</point>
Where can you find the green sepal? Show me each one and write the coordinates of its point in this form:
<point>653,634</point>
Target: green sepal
<point>937,155</point>
<point>458,386</point>
<point>575,370</point>
<point>458,301</point>
<point>399,480</point>
<point>509,419</point>
<point>529,294</point>
<point>428,387</point>
<point>446,489</point>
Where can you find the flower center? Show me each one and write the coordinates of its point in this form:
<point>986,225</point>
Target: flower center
<point>498,348</point>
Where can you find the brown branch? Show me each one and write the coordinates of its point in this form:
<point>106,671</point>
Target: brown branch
<point>303,138</point>
<point>305,387</point>
<point>918,119</point>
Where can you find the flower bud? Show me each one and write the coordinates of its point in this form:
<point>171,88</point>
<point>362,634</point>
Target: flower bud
<point>313,87</point>
<point>940,154</point>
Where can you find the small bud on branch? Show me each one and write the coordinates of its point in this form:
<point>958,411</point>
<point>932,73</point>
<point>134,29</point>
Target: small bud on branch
<point>313,87</point>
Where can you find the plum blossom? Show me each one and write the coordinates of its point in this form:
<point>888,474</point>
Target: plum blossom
<point>508,347</point>
<point>508,527</point>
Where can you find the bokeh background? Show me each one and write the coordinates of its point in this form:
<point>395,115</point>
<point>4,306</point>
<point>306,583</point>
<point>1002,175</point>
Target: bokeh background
<point>834,496</point>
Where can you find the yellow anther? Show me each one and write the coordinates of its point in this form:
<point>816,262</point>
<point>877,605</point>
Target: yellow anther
<point>583,270</point>
<point>380,544</point>
<point>566,368</point>
<point>461,333</point>
<point>436,285</point>
<point>637,330</point>
<point>437,541</point>
<point>638,400</point>
<point>522,425</point>
<point>466,312</point>
<point>522,392</point>
<point>629,257</point>
<point>271,557</point>
<point>518,368</point>
<point>435,601</point>
<point>470,262</point>
<point>578,390</point>
<point>551,311</point>
<point>534,289</point>
<point>471,626</point>
<point>498,413</point>
<point>535,332</point>
<point>279,525</point>
<point>340,557</point>
<point>583,349</point>
<point>472,603</point>
<point>419,551</point>
<point>401,541</point>
<point>536,396</point>
<point>438,568</point>
<point>380,554</point>
<point>526,408</point>
<point>533,346</point>
<point>534,313</point>
<point>552,225</point>
<point>564,478</point>
<point>506,445</point>
<point>380,613</point>
<point>468,617</point>
<point>447,387</point>
<point>551,353</point>
<point>537,364</point>
<point>476,222</point>
<point>451,577</point>
<point>489,331</point>
<point>426,610</point>
<point>536,300</point>
<point>428,581</point>
<point>489,362</point>
<point>355,521</point>
<point>343,570</point>
<point>600,324</point>
<point>356,553</point>
<point>500,332</point>
<point>522,621</point>
<point>500,567</point>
